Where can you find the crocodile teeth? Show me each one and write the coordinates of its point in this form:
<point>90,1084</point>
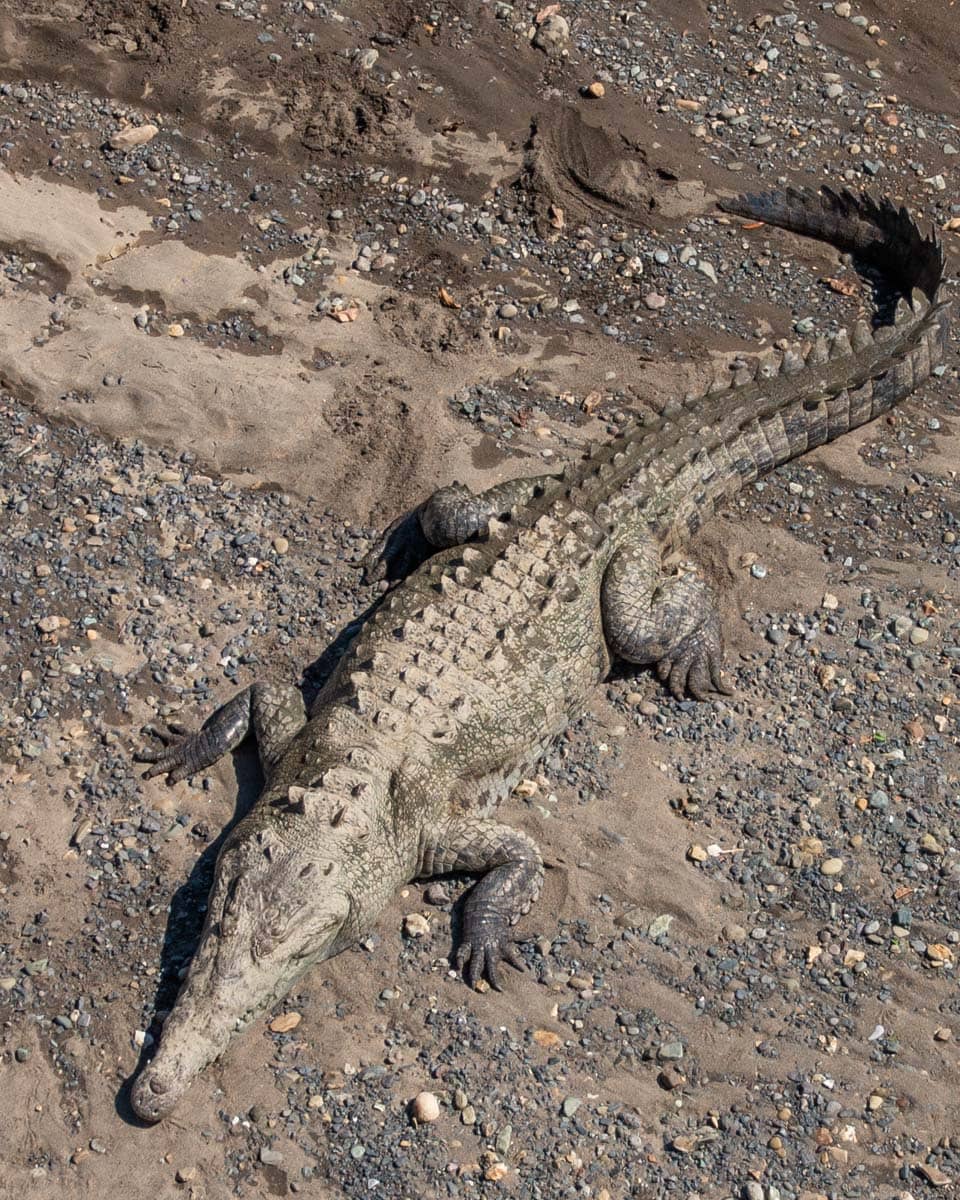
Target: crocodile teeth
<point>792,362</point>
<point>918,302</point>
<point>841,345</point>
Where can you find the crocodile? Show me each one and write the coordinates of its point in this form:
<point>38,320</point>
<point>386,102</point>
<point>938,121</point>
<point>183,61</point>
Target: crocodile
<point>509,608</point>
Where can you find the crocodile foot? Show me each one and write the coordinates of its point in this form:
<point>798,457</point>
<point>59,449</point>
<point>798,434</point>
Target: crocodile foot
<point>173,757</point>
<point>483,949</point>
<point>695,663</point>
<point>400,549</point>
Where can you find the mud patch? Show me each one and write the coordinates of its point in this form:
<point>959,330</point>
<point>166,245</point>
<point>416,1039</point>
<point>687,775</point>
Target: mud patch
<point>589,171</point>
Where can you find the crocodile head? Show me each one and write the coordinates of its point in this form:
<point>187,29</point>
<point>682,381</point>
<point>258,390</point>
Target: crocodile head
<point>283,899</point>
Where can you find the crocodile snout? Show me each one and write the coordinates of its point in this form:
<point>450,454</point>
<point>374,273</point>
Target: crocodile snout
<point>153,1097</point>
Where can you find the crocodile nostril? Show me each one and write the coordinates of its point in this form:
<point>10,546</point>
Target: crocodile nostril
<point>158,1087</point>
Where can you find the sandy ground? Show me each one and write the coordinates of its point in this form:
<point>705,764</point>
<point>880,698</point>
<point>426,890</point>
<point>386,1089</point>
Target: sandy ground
<point>314,399</point>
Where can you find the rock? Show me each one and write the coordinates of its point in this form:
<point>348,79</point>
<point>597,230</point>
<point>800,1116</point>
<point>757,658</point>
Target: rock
<point>281,545</point>
<point>654,301</point>
<point>595,90</point>
<point>269,1157</point>
<point>416,925</point>
<point>136,135</point>
<point>285,1022</point>
<point>670,1051</point>
<point>552,34</point>
<point>570,1105</point>
<point>660,925</point>
<point>437,894</point>
<point>831,866</point>
<point>425,1107</point>
<point>933,1175</point>
<point>697,854</point>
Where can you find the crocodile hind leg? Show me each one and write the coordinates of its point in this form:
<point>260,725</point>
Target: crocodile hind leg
<point>451,516</point>
<point>274,714</point>
<point>512,872</point>
<point>670,621</point>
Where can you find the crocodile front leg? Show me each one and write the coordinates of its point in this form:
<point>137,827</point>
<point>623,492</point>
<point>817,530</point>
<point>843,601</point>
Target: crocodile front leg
<point>671,621</point>
<point>512,878</point>
<point>451,516</point>
<point>274,714</point>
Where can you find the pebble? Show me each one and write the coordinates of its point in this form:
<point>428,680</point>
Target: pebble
<point>552,33</point>
<point>571,1105</point>
<point>285,1023</point>
<point>654,300</point>
<point>135,135</point>
<point>660,926</point>
<point>933,1175</point>
<point>831,866</point>
<point>416,925</point>
<point>425,1107</point>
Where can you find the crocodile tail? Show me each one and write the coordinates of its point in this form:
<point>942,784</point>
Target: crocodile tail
<point>819,391</point>
<point>875,230</point>
<point>888,238</point>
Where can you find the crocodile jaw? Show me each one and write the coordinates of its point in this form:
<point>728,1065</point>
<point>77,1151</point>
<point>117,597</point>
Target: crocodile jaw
<point>223,993</point>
